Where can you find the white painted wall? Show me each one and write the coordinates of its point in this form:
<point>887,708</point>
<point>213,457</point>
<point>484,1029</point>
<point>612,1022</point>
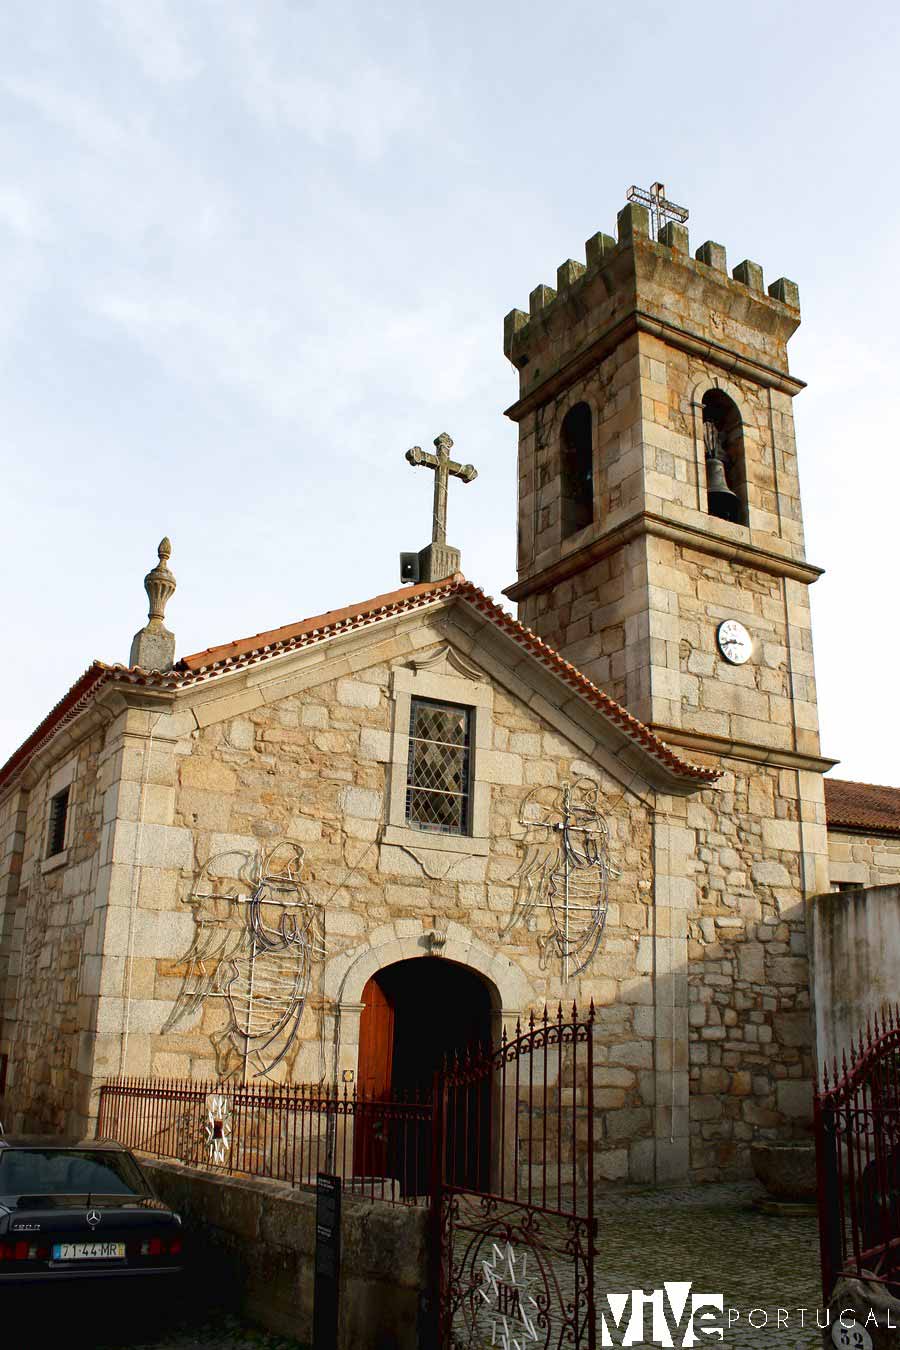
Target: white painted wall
<point>854,963</point>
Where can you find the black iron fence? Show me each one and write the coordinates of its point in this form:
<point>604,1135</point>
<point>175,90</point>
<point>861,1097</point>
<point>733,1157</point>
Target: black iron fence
<point>284,1132</point>
<point>857,1123</point>
<point>503,1150</point>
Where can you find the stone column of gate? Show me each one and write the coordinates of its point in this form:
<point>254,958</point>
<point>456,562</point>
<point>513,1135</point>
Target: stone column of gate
<point>675,895</point>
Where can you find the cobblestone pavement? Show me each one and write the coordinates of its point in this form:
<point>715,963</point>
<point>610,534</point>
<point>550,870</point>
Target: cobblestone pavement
<point>714,1238</point>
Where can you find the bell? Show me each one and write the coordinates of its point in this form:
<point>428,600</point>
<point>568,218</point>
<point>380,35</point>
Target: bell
<point>721,500</point>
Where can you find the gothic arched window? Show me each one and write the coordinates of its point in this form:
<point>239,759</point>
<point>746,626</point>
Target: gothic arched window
<point>576,469</point>
<point>726,472</point>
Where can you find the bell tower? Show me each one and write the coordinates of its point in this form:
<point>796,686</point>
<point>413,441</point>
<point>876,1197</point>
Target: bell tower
<point>660,535</point>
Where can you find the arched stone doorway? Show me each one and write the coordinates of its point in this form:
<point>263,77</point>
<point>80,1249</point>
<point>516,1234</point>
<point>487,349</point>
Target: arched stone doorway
<point>417,1013</point>
<point>347,973</point>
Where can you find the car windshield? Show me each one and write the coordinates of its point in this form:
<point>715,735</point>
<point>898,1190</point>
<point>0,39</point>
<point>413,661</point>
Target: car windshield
<point>68,1171</point>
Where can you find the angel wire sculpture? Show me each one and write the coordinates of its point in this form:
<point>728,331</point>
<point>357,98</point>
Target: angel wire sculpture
<point>256,938</point>
<point>565,870</point>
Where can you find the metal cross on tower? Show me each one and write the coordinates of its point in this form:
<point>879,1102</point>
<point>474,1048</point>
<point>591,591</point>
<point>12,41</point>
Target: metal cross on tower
<point>438,560</point>
<point>660,208</point>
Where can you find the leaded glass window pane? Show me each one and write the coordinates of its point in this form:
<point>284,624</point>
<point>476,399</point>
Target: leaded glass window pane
<point>437,780</point>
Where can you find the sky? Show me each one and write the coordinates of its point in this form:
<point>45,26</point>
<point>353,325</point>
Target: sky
<point>252,252</point>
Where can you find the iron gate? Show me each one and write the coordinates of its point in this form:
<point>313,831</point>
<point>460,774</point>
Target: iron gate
<point>857,1122</point>
<point>513,1190</point>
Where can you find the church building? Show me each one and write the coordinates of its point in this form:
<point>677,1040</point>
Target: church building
<point>335,851</point>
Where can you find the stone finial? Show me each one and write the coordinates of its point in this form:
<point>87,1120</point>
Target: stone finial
<point>633,222</point>
<point>568,273</point>
<point>515,320</point>
<point>785,291</point>
<point>540,298</point>
<point>153,647</point>
<point>599,247</point>
<point>712,254</point>
<point>750,274</point>
<point>675,237</point>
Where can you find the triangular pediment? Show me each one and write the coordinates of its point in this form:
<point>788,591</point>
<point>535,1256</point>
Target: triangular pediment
<point>412,627</point>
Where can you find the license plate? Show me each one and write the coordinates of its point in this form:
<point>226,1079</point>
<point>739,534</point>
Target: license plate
<point>88,1251</point>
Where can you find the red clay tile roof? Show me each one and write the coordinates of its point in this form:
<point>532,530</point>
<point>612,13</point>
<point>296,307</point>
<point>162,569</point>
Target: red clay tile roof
<point>320,625</point>
<point>249,651</point>
<point>74,703</point>
<point>862,806</point>
<point>218,661</point>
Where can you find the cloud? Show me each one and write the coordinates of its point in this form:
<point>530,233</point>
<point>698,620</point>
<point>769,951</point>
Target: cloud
<point>286,367</point>
<point>151,33</point>
<point>329,91</point>
<point>20,215</point>
<point>80,117</point>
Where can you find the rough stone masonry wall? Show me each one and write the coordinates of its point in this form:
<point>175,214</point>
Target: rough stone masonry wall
<point>646,398</point>
<point>641,621</point>
<point>312,766</point>
<point>253,1243</point>
<point>672,388</point>
<point>769,701</point>
<point>751,1060</point>
<point>863,859</point>
<point>613,393</point>
<point>594,617</point>
<point>53,921</point>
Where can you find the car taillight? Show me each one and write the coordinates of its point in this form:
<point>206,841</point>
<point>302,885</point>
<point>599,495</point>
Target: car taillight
<point>157,1247</point>
<point>22,1251</point>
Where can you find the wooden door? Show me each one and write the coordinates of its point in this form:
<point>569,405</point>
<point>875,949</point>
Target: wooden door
<point>376,1054</point>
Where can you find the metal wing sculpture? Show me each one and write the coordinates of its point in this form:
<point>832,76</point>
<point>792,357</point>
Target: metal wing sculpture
<point>257,935</point>
<point>565,871</point>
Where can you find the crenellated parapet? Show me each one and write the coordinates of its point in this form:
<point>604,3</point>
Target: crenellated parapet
<point>635,282</point>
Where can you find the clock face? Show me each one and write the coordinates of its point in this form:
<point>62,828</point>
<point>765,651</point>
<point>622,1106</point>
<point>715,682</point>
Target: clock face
<point>735,643</point>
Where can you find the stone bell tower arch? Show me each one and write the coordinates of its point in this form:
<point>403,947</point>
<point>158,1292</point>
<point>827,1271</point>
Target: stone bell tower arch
<point>695,516</point>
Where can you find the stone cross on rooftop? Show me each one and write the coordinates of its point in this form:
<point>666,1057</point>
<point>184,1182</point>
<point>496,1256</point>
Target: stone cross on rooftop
<point>438,560</point>
<point>661,209</point>
<point>443,467</point>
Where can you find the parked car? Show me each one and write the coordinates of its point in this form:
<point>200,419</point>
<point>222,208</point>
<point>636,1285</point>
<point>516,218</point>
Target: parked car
<point>75,1209</point>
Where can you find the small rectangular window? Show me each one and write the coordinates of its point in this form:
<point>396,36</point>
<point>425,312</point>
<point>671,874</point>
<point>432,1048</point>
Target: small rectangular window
<point>437,782</point>
<point>59,813</point>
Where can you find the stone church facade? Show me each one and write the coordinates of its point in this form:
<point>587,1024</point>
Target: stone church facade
<point>394,775</point>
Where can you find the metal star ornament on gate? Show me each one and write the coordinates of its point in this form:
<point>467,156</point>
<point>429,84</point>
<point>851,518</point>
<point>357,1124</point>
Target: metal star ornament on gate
<point>217,1127</point>
<point>506,1294</point>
